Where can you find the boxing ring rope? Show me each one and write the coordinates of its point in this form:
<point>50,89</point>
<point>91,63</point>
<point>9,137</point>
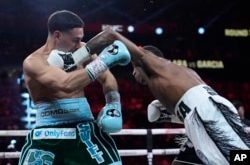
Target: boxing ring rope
<point>123,152</point>
<point>149,152</point>
<point>122,132</point>
<point>134,152</point>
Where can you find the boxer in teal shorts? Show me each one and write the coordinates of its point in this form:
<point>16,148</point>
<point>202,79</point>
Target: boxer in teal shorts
<point>66,132</point>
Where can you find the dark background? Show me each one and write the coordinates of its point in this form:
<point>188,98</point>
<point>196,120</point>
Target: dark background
<point>23,28</point>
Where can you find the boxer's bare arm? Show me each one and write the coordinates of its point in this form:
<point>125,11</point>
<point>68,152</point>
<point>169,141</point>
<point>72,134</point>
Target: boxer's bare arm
<point>108,82</point>
<point>107,36</point>
<point>151,63</point>
<point>53,77</point>
<point>100,41</point>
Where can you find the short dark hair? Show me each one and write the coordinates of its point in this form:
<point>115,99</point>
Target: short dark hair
<point>154,50</point>
<point>64,20</point>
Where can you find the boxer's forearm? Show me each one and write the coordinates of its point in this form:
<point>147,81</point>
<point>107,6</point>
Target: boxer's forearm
<point>135,51</point>
<point>100,41</point>
<point>108,82</point>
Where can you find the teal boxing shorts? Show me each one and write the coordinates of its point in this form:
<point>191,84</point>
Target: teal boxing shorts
<point>60,142</point>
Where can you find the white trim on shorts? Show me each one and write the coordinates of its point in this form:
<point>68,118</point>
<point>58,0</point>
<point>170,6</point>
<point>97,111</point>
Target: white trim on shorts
<point>202,110</point>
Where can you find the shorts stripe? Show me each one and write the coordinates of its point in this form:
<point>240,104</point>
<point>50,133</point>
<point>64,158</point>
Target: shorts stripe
<point>26,148</point>
<point>103,146</point>
<point>234,121</point>
<point>213,134</point>
<point>112,144</point>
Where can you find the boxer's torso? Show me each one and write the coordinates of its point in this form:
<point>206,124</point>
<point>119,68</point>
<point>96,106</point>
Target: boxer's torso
<point>40,92</point>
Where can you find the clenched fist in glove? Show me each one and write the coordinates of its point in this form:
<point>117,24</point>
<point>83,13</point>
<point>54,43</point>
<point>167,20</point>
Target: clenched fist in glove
<point>158,113</point>
<point>115,54</point>
<point>110,117</point>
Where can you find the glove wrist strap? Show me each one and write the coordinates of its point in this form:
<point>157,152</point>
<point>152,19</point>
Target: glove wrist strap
<point>96,68</point>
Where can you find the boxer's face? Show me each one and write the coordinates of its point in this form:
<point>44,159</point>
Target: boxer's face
<point>71,40</point>
<point>241,112</point>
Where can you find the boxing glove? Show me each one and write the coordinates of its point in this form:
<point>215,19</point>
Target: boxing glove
<point>115,54</point>
<point>68,61</point>
<point>109,118</point>
<point>157,112</point>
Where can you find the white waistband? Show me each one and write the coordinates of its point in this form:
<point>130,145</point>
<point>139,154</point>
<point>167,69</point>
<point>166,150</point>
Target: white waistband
<point>195,96</point>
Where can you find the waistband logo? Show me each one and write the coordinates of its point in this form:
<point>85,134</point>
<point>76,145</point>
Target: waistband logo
<point>37,133</point>
<point>57,112</point>
<point>54,133</point>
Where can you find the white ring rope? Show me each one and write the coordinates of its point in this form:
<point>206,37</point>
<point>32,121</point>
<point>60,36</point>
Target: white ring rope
<point>122,132</point>
<point>134,152</point>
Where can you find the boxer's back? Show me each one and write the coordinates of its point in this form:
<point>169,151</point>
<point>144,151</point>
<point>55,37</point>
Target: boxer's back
<point>169,82</point>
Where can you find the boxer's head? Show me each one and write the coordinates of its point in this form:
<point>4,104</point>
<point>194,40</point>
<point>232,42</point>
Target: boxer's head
<point>156,51</point>
<point>67,30</point>
<point>140,72</point>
